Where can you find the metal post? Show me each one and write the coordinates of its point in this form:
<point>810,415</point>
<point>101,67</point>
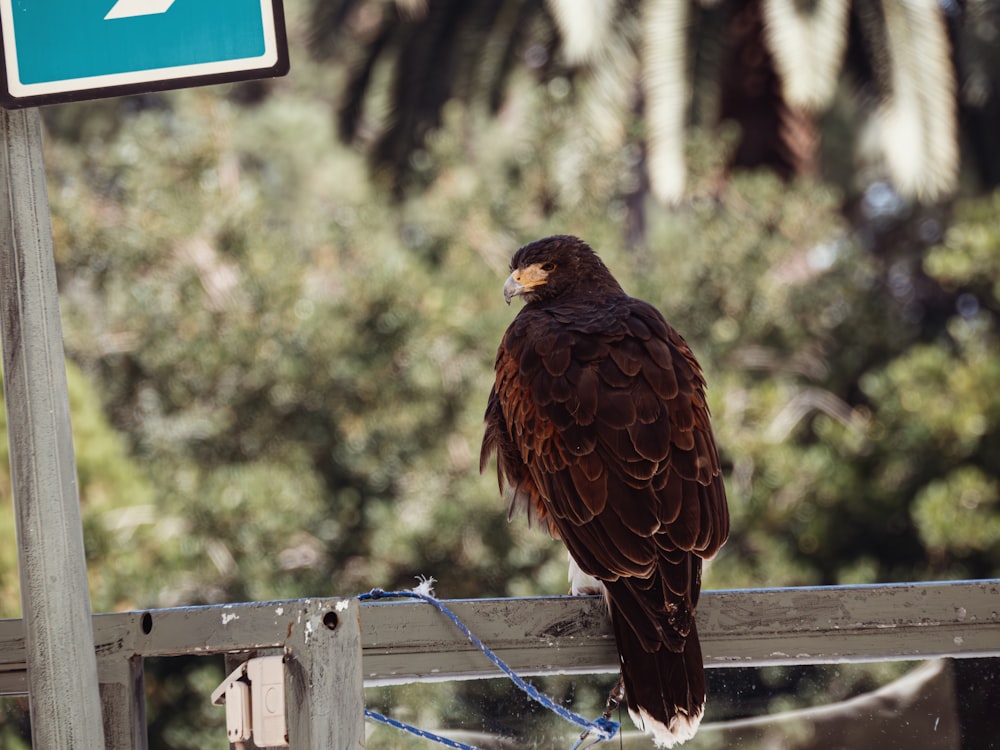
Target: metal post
<point>123,702</point>
<point>62,667</point>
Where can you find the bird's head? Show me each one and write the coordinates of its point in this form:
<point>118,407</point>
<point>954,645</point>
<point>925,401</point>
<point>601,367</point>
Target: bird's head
<point>556,266</point>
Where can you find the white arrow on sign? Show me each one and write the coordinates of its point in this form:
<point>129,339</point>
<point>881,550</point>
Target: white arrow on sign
<point>132,8</point>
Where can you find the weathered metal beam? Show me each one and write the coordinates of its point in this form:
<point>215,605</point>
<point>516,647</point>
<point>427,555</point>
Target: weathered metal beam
<point>406,641</point>
<point>409,641</point>
<point>896,622</point>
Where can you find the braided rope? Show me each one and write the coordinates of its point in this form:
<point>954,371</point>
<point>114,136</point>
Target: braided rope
<point>599,730</point>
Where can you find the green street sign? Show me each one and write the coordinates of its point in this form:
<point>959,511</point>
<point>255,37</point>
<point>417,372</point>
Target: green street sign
<point>66,50</point>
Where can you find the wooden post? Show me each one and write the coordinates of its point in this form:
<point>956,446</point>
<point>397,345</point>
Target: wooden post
<point>59,636</point>
<point>324,687</point>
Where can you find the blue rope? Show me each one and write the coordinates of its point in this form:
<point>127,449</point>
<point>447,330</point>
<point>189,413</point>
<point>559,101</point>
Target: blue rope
<point>602,728</point>
<point>417,731</point>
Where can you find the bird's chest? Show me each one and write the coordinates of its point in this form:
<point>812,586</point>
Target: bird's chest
<point>549,388</point>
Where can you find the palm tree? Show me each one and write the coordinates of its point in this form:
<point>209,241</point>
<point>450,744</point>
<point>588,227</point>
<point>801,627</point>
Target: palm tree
<point>774,67</point>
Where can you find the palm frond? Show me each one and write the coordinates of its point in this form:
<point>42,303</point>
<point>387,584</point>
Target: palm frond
<point>807,44</point>
<point>605,86</point>
<point>358,85</point>
<point>770,132</point>
<point>917,117</point>
<point>326,23</point>
<point>584,26</point>
<point>667,94</point>
<point>406,59</point>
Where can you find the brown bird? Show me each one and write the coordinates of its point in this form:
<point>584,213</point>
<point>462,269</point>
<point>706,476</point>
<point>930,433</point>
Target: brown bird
<point>599,423</point>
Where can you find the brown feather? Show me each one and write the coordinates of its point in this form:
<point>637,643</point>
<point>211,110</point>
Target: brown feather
<point>616,408</point>
<point>558,360</point>
<point>649,440</point>
<point>590,483</point>
<point>671,497</point>
<point>613,375</point>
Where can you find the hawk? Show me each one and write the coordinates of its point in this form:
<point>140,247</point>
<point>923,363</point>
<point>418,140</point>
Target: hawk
<point>600,427</point>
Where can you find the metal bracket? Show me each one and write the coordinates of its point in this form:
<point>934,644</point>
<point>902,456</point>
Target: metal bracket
<point>254,696</point>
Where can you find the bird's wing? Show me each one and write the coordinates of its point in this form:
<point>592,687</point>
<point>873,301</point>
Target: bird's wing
<point>513,476</point>
<point>599,417</point>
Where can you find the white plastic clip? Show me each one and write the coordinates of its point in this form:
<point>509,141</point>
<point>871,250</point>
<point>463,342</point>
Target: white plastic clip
<point>254,695</point>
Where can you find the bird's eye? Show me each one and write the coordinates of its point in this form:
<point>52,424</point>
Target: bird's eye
<point>549,267</point>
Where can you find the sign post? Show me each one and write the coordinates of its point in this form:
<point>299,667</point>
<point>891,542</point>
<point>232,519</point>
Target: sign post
<point>59,637</point>
<point>57,51</point>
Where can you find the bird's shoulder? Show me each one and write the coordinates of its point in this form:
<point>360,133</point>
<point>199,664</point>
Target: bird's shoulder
<point>633,332</point>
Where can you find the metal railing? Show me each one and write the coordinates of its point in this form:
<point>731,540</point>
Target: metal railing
<point>334,647</point>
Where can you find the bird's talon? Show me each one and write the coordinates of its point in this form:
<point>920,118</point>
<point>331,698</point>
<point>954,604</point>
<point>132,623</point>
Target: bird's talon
<point>615,698</point>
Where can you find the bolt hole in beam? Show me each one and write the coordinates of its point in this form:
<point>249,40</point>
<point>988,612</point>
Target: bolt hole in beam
<point>146,623</point>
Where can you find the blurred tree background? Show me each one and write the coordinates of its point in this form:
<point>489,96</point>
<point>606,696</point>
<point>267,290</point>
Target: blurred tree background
<point>281,302</point>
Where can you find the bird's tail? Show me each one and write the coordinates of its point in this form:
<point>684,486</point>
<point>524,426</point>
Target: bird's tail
<point>665,687</point>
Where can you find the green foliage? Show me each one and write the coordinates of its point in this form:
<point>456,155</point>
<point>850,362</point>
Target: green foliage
<point>208,327</point>
<point>959,514</point>
<point>115,503</point>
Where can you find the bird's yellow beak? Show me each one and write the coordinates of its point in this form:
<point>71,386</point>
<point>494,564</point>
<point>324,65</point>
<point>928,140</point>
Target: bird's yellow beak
<point>524,280</point>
